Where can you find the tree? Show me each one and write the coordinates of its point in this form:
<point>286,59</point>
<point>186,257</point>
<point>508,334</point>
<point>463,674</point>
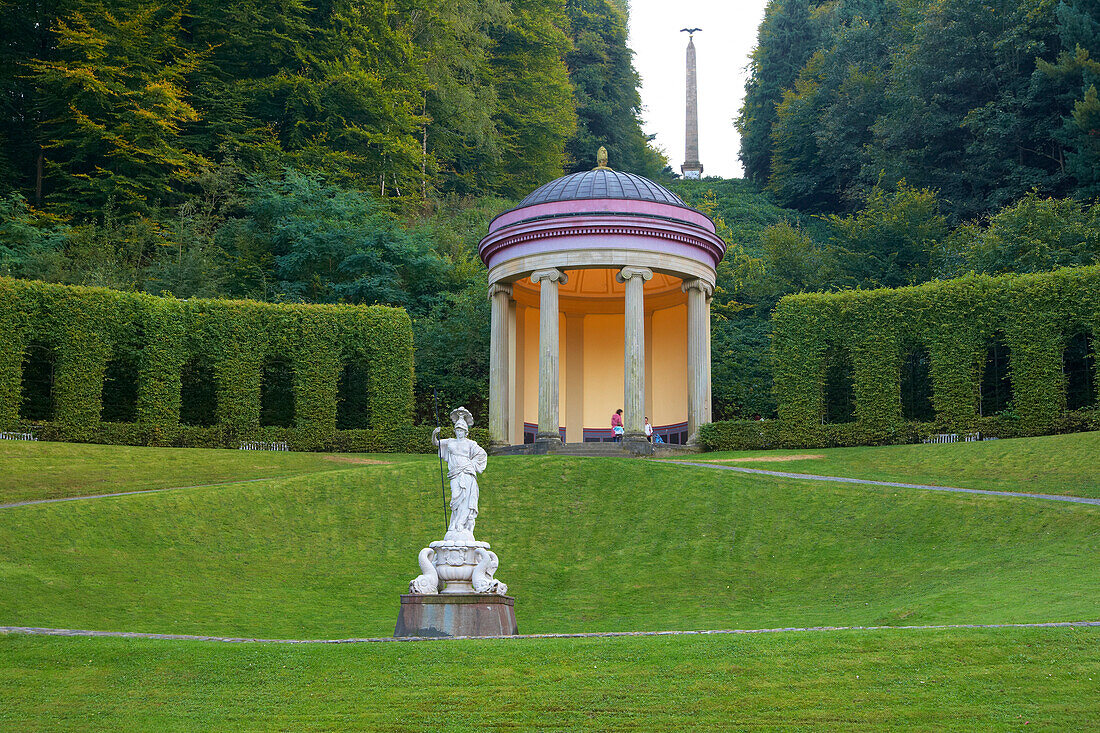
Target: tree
<point>606,90</point>
<point>538,113</point>
<point>1035,234</point>
<point>958,111</point>
<point>786,39</point>
<point>1070,83</point>
<point>25,27</point>
<point>890,241</point>
<point>112,104</point>
<point>336,86</point>
<point>331,244</point>
<point>459,134</point>
<point>799,178</point>
<point>793,263</point>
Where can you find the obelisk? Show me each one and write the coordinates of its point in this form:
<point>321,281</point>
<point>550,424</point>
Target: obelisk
<point>692,168</point>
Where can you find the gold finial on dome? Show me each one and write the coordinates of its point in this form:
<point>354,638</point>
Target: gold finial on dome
<point>601,159</point>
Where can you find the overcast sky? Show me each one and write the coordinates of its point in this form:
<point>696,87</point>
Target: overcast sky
<point>723,48</point>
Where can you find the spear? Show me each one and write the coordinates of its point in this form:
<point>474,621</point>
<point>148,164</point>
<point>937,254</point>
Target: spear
<point>442,477</point>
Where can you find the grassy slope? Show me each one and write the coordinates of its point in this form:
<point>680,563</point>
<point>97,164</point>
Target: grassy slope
<point>49,470</point>
<point>1056,464</point>
<point>924,680</point>
<point>585,545</point>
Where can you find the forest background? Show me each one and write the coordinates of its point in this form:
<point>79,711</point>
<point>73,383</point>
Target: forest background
<point>355,150</point>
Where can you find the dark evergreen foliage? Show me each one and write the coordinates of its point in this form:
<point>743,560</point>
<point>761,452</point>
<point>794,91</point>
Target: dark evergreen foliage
<point>980,101</point>
<point>786,40</point>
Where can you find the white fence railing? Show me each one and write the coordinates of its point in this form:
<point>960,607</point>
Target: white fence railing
<point>18,436</point>
<point>259,445</point>
<point>955,438</point>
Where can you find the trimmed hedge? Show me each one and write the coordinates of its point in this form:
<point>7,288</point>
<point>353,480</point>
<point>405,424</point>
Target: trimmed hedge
<point>955,320</point>
<point>87,327</point>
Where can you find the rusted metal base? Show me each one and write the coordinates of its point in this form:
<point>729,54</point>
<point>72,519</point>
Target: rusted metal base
<point>450,615</point>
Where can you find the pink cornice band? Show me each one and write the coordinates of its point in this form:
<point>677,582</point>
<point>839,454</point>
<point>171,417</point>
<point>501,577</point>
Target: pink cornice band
<point>602,224</point>
<point>601,206</point>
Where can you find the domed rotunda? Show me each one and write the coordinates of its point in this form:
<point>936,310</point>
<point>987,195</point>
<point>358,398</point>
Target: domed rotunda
<point>600,283</point>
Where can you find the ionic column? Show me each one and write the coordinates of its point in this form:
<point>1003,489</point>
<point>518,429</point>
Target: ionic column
<point>698,291</point>
<point>517,366</point>
<point>548,352</point>
<point>499,294</point>
<point>574,377</point>
<point>634,351</point>
<point>708,415</point>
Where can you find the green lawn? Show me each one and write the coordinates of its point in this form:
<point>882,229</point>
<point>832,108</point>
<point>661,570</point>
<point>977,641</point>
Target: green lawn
<point>31,471</point>
<point>585,545</point>
<point>1043,679</point>
<point>1056,464</point>
<point>324,549</point>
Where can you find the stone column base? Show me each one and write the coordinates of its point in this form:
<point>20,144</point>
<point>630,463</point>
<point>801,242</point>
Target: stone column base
<point>637,444</point>
<point>448,616</point>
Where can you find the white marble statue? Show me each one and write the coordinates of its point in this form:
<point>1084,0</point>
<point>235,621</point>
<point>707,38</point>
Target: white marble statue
<point>465,460</point>
<point>459,564</point>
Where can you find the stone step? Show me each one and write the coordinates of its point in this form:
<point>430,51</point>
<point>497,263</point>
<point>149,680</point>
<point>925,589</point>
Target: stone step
<point>595,449</point>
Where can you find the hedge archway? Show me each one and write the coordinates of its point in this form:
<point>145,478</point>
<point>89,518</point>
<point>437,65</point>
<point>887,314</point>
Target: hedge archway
<point>992,342</point>
<point>840,391</point>
<point>996,384</point>
<point>198,394</point>
<point>120,388</point>
<point>132,368</point>
<point>916,384</point>
<point>277,393</point>
<point>37,382</point>
<point>1079,366</point>
<point>352,405</point>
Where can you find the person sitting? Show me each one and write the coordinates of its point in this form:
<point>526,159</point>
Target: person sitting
<point>617,425</point>
<point>648,431</point>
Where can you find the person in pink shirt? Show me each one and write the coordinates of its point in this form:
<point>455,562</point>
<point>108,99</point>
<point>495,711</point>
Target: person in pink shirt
<point>617,425</point>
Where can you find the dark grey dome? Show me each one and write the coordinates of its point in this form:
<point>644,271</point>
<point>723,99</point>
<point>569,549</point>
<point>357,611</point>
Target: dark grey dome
<point>601,183</point>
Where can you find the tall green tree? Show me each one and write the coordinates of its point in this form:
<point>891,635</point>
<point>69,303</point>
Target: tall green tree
<point>538,113</point>
<point>1071,82</point>
<point>25,27</point>
<point>958,113</point>
<point>336,85</point>
<point>1036,234</point>
<point>786,39</point>
<point>606,90</point>
<point>890,241</point>
<point>799,176</point>
<point>462,149</point>
<point>823,125</point>
<point>112,105</point>
<point>333,244</point>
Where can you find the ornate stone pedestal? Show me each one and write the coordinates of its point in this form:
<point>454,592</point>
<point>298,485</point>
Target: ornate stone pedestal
<point>455,562</point>
<point>471,603</point>
<point>457,614</point>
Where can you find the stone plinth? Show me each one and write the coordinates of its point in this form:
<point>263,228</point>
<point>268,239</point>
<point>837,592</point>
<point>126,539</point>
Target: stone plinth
<point>446,616</point>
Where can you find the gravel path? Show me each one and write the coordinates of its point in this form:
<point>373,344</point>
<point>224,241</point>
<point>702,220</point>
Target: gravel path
<point>38,631</point>
<point>844,480</point>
